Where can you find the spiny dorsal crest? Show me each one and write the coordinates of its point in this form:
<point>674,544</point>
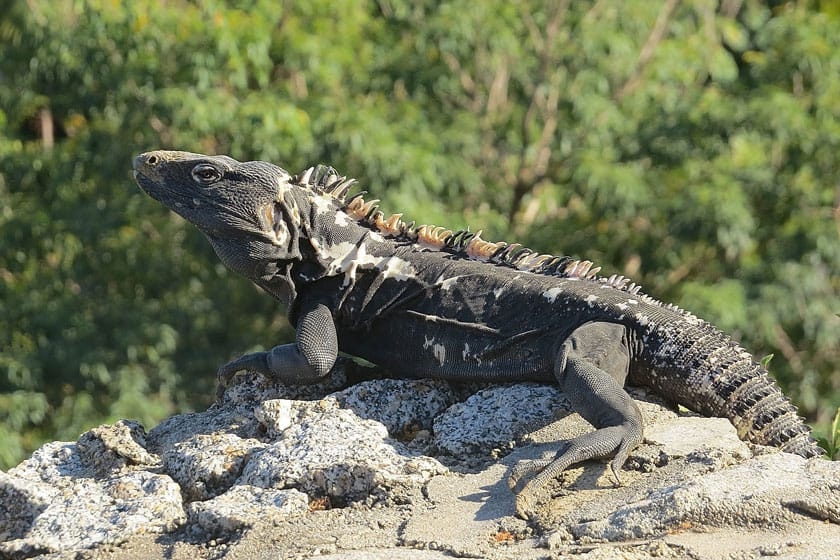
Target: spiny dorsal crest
<point>325,180</point>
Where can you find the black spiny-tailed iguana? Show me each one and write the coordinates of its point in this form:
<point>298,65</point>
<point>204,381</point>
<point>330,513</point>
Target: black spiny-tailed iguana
<point>429,302</point>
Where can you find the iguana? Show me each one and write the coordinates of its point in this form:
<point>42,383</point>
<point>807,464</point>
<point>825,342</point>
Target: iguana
<point>426,301</point>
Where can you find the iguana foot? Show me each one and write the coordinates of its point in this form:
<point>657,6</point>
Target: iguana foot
<point>618,440</point>
<point>257,361</point>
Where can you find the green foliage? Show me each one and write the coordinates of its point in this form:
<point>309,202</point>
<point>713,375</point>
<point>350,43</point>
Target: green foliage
<point>831,441</point>
<point>690,145</point>
<point>765,361</point>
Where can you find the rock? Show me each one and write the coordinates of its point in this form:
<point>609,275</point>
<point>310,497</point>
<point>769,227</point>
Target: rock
<point>327,475</point>
<point>680,437</point>
<point>114,447</point>
<point>328,451</point>
<point>21,502</point>
<point>403,406</point>
<point>249,387</point>
<point>232,419</point>
<point>493,419</point>
<point>754,493</point>
<point>207,465</point>
<point>52,504</point>
<point>244,506</point>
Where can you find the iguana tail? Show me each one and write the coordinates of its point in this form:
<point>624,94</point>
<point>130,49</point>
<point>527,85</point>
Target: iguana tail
<point>706,371</point>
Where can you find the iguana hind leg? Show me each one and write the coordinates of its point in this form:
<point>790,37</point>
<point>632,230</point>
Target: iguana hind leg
<point>591,367</point>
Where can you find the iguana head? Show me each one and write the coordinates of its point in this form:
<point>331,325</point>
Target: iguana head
<point>246,209</point>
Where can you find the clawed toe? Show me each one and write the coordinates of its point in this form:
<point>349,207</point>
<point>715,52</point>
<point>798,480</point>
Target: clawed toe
<point>526,468</point>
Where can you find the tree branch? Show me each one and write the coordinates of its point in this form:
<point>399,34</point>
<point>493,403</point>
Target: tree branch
<point>47,128</point>
<point>653,40</point>
<point>543,106</point>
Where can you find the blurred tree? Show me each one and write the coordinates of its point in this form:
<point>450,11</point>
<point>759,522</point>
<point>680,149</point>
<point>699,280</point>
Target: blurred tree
<point>691,145</point>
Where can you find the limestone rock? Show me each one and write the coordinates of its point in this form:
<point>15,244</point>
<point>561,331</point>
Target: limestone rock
<point>244,506</point>
<point>494,418</point>
<point>751,494</point>
<point>51,504</point>
<point>207,465</point>
<point>326,450</point>
<point>403,406</point>
<point>254,462</point>
<point>114,447</point>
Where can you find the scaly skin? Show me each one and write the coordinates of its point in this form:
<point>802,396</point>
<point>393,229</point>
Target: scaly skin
<point>429,302</point>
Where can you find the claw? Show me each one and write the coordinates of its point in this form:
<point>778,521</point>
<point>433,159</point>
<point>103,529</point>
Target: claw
<point>224,376</point>
<point>523,506</point>
<point>526,468</point>
<point>614,469</point>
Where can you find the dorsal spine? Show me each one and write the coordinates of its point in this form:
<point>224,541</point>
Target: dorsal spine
<point>326,181</point>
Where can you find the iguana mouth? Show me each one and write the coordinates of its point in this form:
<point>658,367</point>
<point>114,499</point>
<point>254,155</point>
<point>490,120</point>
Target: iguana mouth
<point>145,183</point>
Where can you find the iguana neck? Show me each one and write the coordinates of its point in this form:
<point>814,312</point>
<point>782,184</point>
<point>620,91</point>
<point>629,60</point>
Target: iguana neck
<point>329,244</point>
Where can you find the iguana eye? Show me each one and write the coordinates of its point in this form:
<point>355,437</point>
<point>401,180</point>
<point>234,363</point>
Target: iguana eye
<point>205,174</point>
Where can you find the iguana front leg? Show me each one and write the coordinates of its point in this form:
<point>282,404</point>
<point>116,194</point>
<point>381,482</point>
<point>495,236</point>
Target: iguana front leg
<point>591,367</point>
<point>307,360</point>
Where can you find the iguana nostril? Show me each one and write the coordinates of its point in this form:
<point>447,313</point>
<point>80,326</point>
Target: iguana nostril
<point>145,160</point>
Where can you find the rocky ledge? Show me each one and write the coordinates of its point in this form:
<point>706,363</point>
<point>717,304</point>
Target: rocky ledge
<point>409,469</point>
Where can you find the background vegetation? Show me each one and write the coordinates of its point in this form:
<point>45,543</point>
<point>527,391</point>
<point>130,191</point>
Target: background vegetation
<point>692,145</point>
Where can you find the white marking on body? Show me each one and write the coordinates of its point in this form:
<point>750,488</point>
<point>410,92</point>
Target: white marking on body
<point>498,292</point>
<point>323,205</point>
<point>591,299</point>
<point>446,283</point>
<point>642,319</point>
<point>376,236</point>
<point>342,219</point>
<point>333,252</point>
<point>551,294</point>
<point>632,302</point>
<point>397,268</point>
<point>467,355</point>
<point>281,234</point>
<point>439,352</point>
<point>346,257</point>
